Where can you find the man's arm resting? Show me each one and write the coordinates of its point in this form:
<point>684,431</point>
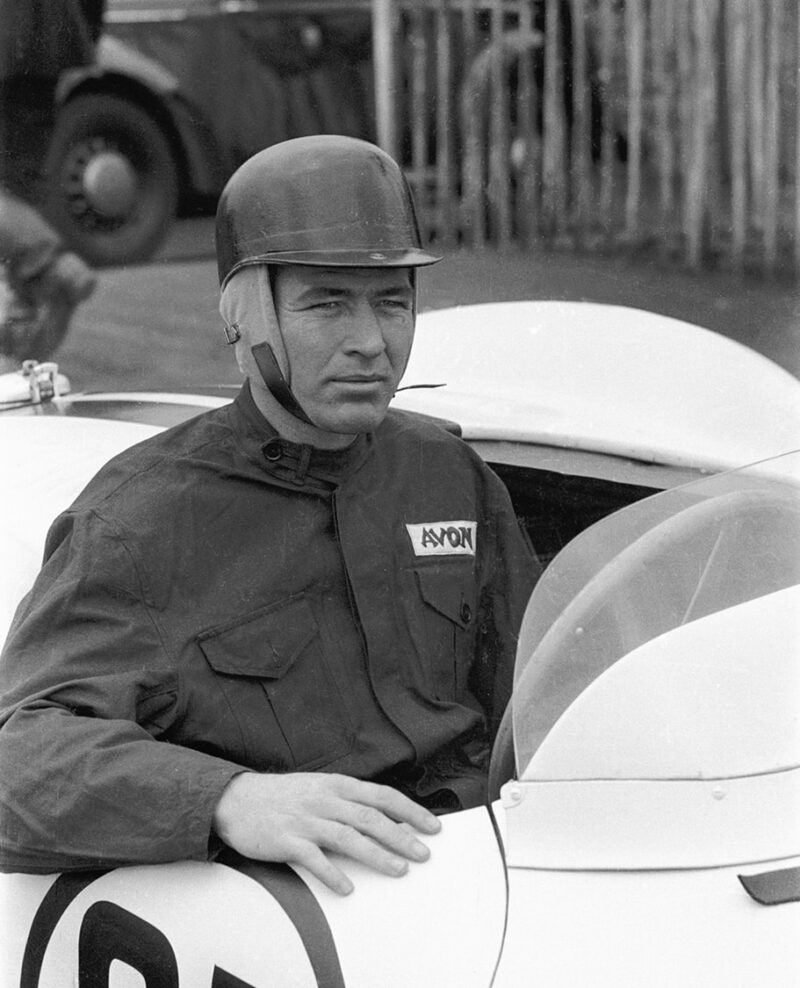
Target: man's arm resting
<point>296,818</point>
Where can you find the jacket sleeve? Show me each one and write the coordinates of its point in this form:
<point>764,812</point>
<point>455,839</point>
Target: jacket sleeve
<point>510,572</point>
<point>85,679</point>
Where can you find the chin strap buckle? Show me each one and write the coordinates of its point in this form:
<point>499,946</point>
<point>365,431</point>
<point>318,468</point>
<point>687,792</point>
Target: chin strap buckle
<point>232,332</point>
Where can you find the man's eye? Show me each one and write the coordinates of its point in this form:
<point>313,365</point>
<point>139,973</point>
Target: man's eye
<point>396,303</point>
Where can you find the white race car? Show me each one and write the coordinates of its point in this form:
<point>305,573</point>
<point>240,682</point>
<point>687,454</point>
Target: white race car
<point>645,828</point>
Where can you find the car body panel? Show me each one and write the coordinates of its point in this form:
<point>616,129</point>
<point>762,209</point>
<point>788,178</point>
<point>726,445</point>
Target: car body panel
<point>440,924</point>
<point>667,776</point>
<point>602,378</point>
<point>663,928</point>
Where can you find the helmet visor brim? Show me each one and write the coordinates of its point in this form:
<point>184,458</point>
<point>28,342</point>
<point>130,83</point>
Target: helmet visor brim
<point>346,258</point>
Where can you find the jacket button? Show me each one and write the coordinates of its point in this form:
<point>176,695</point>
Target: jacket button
<point>272,450</point>
<point>466,613</point>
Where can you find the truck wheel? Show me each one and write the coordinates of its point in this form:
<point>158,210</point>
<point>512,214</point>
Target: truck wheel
<point>114,180</point>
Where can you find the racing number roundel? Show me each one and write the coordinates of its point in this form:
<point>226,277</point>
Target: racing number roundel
<point>186,923</point>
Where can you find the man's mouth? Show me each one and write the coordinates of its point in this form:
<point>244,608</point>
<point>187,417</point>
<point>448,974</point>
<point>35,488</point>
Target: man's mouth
<point>361,379</point>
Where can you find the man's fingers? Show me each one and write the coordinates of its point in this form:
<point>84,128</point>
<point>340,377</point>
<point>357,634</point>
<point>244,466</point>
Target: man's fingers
<point>313,860</point>
<point>392,803</point>
<point>351,843</point>
<point>373,823</point>
<point>298,818</point>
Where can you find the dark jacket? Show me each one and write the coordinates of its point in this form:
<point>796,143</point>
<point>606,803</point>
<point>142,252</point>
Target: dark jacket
<point>262,605</point>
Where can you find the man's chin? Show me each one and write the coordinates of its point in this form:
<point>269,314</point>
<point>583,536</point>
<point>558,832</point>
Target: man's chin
<point>351,420</point>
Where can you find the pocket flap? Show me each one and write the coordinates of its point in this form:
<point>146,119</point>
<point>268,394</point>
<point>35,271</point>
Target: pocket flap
<point>264,645</point>
<point>447,592</point>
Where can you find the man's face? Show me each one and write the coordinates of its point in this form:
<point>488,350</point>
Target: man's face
<point>348,334</point>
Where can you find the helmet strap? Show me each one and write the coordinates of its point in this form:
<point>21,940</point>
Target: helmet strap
<point>275,381</point>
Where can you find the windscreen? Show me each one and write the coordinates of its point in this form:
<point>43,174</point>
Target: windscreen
<point>655,565</point>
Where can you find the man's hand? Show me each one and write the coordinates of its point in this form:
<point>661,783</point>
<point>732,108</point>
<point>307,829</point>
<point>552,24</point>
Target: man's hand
<point>70,278</point>
<point>296,818</point>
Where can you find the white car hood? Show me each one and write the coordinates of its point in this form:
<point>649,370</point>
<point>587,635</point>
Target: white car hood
<point>602,378</point>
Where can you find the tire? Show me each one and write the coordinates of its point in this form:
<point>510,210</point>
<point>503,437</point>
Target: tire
<point>113,180</point>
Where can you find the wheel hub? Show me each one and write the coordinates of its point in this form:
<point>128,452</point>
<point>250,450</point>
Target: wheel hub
<point>110,184</point>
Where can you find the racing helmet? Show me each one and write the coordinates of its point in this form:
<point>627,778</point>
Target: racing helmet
<point>322,200</point>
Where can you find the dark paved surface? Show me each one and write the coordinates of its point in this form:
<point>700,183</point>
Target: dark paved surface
<point>156,325</point>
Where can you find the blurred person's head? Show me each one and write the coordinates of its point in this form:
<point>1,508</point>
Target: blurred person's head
<point>317,245</point>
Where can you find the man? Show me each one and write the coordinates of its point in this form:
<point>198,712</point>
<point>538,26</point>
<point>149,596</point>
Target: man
<point>44,282</point>
<point>256,587</point>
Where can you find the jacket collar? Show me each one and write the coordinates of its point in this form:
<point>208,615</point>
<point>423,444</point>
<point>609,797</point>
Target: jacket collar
<point>292,463</point>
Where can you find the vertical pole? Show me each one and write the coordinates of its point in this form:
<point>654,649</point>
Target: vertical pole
<point>683,60</point>
<point>444,126</point>
<point>704,81</point>
<point>634,51</point>
<point>499,180</point>
<point>756,105</point>
<point>528,172</point>
<point>797,156</point>
<point>581,135</point>
<point>419,118</point>
<point>473,116</point>
<point>607,135</point>
<point>383,24</point>
<point>553,152</point>
<point>661,40</point>
<point>737,114</point>
<point>772,134</point>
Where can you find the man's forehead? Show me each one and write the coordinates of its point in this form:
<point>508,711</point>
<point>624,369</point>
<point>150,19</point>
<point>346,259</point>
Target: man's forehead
<point>297,277</point>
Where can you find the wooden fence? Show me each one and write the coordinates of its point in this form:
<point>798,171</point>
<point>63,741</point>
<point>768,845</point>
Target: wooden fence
<point>673,123</point>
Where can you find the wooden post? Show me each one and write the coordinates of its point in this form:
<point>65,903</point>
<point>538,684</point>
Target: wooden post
<point>444,123</point>
<point>634,52</point>
<point>418,45</point>
<point>527,130</point>
<point>383,34</point>
<point>797,157</point>
<point>581,134</point>
<point>662,30</point>
<point>771,134</point>
<point>472,124</point>
<point>607,136</point>
<point>683,54</point>
<point>499,180</point>
<point>756,105</point>
<point>737,115</point>
<point>705,98</point>
<point>419,117</point>
<point>553,194</point>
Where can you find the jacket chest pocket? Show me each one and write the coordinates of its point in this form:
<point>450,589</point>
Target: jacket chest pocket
<point>445,635</point>
<point>273,671</point>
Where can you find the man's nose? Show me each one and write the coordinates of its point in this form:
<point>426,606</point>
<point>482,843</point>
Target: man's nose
<point>365,333</point>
